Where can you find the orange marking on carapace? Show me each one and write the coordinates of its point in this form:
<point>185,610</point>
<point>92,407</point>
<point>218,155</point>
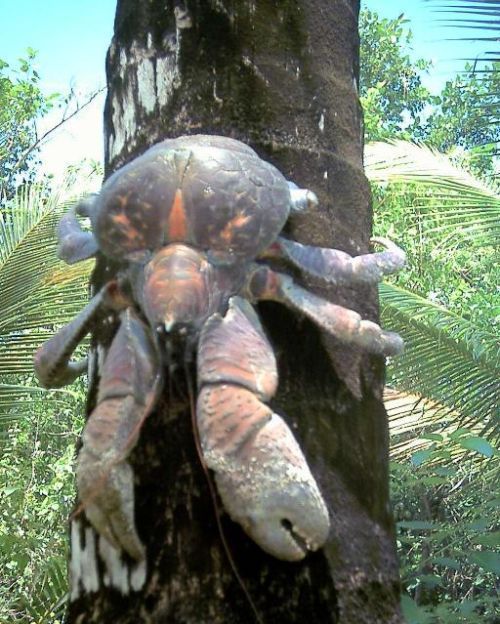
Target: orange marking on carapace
<point>121,219</point>
<point>236,222</point>
<point>177,222</point>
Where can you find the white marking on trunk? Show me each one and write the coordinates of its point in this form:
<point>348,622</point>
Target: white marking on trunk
<point>83,563</point>
<point>83,568</point>
<point>167,78</point>
<point>321,124</point>
<point>146,84</point>
<point>216,97</point>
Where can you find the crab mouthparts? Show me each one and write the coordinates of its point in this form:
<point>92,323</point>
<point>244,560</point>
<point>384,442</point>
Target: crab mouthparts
<point>177,288</point>
<point>169,323</point>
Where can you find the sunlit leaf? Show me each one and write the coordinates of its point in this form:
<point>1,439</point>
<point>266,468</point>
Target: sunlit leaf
<point>441,360</point>
<point>480,445</point>
<point>39,293</point>
<point>489,561</point>
<point>418,458</point>
<point>457,198</point>
<point>489,539</point>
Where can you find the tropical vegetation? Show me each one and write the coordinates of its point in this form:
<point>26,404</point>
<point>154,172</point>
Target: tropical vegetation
<point>444,419</point>
<point>445,391</point>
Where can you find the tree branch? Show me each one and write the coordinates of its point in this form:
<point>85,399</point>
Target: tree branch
<point>64,119</point>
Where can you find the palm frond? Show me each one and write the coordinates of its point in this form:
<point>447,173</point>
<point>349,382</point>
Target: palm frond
<point>459,203</point>
<point>447,358</point>
<point>473,11</point>
<point>416,422</point>
<point>47,601</point>
<point>39,292</point>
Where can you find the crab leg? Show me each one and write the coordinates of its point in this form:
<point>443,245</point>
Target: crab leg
<point>127,392</point>
<point>345,324</point>
<point>52,360</point>
<point>335,266</point>
<point>75,244</point>
<point>262,476</point>
<point>300,198</point>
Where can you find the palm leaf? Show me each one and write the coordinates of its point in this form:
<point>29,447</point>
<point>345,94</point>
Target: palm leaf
<point>47,601</point>
<point>478,14</point>
<point>414,419</point>
<point>39,292</point>
<point>447,358</point>
<point>459,204</point>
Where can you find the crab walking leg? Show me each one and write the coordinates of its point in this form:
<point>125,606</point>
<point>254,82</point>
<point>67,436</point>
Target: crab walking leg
<point>300,198</point>
<point>336,267</point>
<point>52,360</point>
<point>262,476</point>
<point>127,391</point>
<point>343,323</point>
<point>74,243</point>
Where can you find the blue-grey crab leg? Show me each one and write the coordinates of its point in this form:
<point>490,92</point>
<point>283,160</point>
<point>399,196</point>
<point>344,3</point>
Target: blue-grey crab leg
<point>52,362</point>
<point>300,198</point>
<point>337,267</point>
<point>262,476</point>
<point>128,390</point>
<point>74,243</point>
<point>345,324</point>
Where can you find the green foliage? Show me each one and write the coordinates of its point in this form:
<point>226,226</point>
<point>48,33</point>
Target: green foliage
<point>446,532</point>
<point>467,116</point>
<point>38,292</point>
<point>447,358</point>
<point>22,102</point>
<point>36,497</point>
<point>445,307</point>
<point>38,429</point>
<point>462,119</point>
<point>392,94</point>
<point>449,224</point>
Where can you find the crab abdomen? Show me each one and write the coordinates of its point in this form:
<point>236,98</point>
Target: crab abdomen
<point>210,192</point>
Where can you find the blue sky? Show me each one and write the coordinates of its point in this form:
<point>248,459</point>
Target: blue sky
<point>72,38</point>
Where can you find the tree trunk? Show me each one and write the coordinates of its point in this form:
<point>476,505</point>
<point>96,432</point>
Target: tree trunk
<point>281,76</point>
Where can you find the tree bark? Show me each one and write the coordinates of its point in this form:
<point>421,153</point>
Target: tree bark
<point>281,76</point>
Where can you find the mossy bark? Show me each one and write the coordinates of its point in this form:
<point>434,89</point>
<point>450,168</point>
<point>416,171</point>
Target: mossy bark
<point>281,76</point>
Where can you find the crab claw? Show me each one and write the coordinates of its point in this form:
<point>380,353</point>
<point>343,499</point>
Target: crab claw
<point>262,476</point>
<point>107,493</point>
<point>127,391</point>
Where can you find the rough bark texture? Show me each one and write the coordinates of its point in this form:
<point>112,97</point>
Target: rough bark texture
<point>280,75</point>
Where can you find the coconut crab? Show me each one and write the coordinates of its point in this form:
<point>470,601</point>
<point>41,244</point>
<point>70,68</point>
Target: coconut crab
<point>195,223</point>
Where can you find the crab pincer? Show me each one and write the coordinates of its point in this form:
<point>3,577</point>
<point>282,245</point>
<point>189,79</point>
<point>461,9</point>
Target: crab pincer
<point>262,475</point>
